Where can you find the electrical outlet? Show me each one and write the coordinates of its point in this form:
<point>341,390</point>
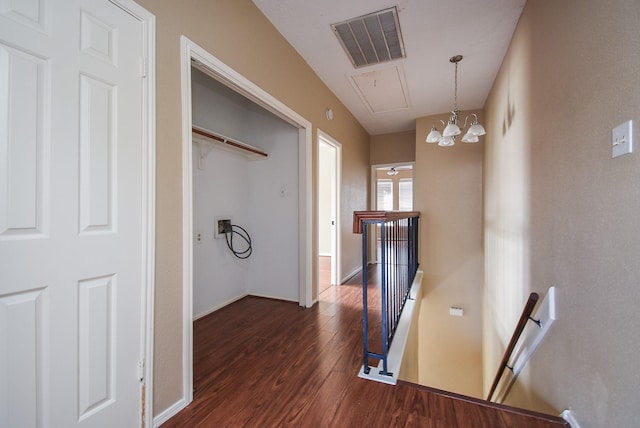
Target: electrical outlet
<point>455,311</point>
<point>622,139</point>
<point>198,238</point>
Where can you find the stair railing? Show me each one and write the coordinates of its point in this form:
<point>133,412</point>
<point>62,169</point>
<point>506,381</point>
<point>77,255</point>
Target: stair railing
<point>522,322</point>
<point>398,267</point>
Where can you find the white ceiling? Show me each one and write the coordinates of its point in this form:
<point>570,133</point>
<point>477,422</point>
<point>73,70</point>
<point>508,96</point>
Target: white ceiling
<point>432,30</point>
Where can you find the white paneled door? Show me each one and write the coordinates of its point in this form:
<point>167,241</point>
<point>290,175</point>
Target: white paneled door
<point>71,214</point>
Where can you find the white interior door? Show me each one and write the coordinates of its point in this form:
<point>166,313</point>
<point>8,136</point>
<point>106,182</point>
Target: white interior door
<point>71,214</point>
<point>329,165</point>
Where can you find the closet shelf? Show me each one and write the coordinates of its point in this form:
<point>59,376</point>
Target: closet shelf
<point>202,135</point>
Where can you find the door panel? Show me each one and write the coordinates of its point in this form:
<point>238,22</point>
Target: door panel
<point>23,86</point>
<point>96,155</point>
<point>71,226</point>
<point>21,357</point>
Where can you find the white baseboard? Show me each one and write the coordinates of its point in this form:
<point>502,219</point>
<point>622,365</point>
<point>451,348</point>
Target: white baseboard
<point>220,306</point>
<point>351,275</point>
<point>169,413</point>
<point>266,296</point>
<point>235,299</point>
<point>400,338</point>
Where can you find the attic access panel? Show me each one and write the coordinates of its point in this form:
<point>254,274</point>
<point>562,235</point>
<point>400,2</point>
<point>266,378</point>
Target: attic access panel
<point>371,39</point>
<point>382,90</point>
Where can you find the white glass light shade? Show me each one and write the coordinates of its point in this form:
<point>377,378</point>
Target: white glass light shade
<point>470,138</point>
<point>434,136</point>
<point>446,141</point>
<point>476,129</point>
<point>451,130</point>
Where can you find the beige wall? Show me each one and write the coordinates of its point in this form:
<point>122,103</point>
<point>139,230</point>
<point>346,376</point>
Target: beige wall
<point>239,35</point>
<point>393,148</point>
<point>448,194</point>
<point>559,211</point>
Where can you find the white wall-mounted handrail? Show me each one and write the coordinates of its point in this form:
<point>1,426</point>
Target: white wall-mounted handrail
<point>519,352</point>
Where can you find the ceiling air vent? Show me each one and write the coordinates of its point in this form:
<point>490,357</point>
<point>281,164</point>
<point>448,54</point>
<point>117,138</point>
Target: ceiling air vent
<point>371,39</point>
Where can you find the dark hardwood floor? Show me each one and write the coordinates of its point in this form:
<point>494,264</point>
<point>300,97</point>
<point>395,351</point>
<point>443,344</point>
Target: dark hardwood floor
<point>268,363</point>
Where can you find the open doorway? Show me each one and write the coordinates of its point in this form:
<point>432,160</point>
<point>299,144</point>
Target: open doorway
<point>193,56</point>
<point>391,190</point>
<point>329,166</point>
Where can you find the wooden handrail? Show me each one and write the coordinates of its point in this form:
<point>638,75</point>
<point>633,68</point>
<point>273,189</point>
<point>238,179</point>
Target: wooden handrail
<point>228,141</point>
<point>526,315</point>
<point>358,216</point>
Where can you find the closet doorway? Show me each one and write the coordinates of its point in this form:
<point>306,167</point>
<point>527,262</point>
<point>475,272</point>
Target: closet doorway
<point>329,167</point>
<point>195,57</point>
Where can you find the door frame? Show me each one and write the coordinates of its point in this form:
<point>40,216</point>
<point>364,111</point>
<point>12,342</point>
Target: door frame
<point>192,52</point>
<point>336,184</point>
<point>147,280</point>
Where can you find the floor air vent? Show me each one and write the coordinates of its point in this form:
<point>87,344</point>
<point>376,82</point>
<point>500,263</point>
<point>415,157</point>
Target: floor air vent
<point>371,39</point>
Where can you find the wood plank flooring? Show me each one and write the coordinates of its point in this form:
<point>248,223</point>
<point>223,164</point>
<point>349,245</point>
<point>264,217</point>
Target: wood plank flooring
<point>267,363</point>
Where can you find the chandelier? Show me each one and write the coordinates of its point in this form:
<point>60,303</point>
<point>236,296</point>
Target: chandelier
<point>451,130</point>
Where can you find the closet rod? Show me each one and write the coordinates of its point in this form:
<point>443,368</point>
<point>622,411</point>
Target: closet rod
<point>227,141</point>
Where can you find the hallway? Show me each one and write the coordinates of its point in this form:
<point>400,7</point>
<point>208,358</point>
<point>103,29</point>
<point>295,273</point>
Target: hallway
<point>265,363</point>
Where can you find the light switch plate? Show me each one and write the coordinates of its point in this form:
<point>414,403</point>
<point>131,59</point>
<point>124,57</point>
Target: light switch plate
<point>622,139</point>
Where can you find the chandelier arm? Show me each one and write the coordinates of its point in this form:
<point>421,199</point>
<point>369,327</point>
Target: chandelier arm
<point>475,116</point>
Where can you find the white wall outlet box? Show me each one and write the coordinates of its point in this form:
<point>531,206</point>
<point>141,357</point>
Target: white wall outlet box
<point>456,312</point>
<point>622,139</point>
<point>221,223</point>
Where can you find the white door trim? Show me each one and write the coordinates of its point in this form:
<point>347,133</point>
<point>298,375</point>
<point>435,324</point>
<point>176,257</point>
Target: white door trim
<point>336,272</point>
<point>148,21</point>
<point>228,76</point>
